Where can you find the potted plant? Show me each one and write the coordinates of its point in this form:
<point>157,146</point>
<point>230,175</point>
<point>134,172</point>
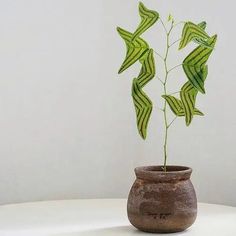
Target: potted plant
<point>162,198</point>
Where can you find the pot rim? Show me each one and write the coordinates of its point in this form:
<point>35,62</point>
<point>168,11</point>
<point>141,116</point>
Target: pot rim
<point>155,173</point>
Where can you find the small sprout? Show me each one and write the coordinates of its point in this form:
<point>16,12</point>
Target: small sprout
<point>170,18</point>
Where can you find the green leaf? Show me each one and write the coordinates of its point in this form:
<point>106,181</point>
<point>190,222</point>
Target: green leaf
<point>188,96</point>
<point>175,105</point>
<point>148,18</point>
<point>198,40</point>
<point>194,64</point>
<point>143,105</point>
<point>134,49</point>
<point>191,32</point>
<point>148,68</point>
<point>143,108</point>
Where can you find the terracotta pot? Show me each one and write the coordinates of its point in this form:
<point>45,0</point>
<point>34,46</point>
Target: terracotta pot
<point>161,201</point>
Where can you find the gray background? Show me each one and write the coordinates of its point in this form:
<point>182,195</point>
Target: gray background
<point>67,123</point>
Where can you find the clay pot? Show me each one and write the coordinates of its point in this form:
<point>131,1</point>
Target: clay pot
<point>161,201</point>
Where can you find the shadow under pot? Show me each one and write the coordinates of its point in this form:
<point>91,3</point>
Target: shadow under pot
<point>162,202</point>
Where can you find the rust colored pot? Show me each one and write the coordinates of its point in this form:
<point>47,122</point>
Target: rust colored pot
<point>161,201</point>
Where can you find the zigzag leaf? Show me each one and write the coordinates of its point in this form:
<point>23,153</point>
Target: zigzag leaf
<point>188,96</point>
<point>148,18</point>
<point>148,68</point>
<point>191,32</point>
<point>176,106</point>
<point>135,48</point>
<point>143,108</point>
<point>194,64</point>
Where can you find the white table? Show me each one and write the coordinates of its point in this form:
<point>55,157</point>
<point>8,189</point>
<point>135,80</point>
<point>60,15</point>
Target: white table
<point>100,218</point>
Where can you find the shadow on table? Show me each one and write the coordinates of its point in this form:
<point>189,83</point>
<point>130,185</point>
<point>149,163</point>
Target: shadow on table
<point>116,231</point>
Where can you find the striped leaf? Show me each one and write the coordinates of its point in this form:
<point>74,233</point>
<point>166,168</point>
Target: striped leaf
<point>134,49</point>
<point>194,64</point>
<point>191,32</point>
<point>202,25</point>
<point>148,18</point>
<point>198,40</point>
<point>188,96</point>
<point>143,105</point>
<point>148,68</point>
<point>143,108</point>
<point>176,106</point>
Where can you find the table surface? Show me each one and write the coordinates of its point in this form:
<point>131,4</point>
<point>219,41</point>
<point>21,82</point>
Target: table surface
<point>100,217</point>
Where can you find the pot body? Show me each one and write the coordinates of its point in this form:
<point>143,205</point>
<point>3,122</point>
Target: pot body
<point>161,201</point>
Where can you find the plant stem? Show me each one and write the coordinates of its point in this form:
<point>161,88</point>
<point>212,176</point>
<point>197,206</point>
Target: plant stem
<point>178,23</point>
<point>176,41</point>
<point>164,25</point>
<point>174,67</point>
<point>165,93</point>
<point>174,93</point>
<point>172,121</point>
<point>158,54</point>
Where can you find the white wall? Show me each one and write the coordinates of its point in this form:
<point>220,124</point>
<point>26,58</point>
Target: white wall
<point>67,120</point>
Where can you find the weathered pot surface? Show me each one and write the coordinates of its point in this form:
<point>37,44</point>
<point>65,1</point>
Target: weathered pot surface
<point>161,201</point>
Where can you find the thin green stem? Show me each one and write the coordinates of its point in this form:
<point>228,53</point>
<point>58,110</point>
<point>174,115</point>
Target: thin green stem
<point>158,54</point>
<point>164,83</point>
<point>160,80</point>
<point>174,67</point>
<point>161,109</point>
<point>174,93</point>
<point>165,93</point>
<point>172,122</point>
<point>163,25</point>
<point>179,23</point>
<point>176,41</point>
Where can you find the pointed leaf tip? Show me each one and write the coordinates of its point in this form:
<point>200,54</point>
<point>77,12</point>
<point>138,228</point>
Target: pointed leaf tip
<point>143,136</point>
<point>148,18</point>
<point>188,124</point>
<point>118,29</point>
<point>140,3</point>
